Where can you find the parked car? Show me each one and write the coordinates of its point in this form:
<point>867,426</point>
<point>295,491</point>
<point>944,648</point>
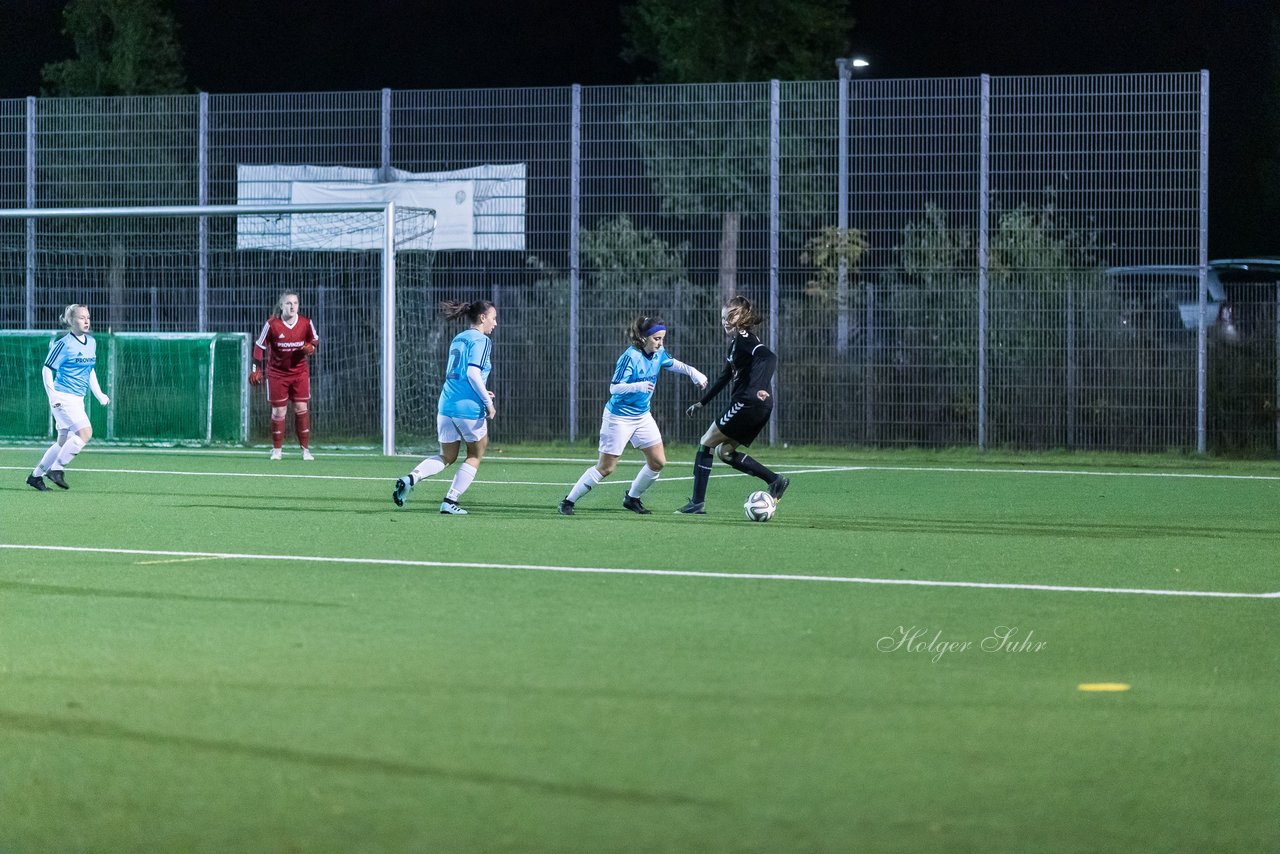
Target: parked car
<point>1150,293</point>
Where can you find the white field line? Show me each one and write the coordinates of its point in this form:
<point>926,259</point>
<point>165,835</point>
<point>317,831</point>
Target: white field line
<point>387,479</point>
<point>498,458</point>
<point>595,570</point>
<point>787,469</point>
<point>260,453</point>
<point>1074,472</point>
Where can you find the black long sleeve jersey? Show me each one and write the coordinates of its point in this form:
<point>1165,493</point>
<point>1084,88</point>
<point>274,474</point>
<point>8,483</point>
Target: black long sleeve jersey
<point>750,364</point>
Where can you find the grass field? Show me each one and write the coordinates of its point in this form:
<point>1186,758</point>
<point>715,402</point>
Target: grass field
<point>211,652</point>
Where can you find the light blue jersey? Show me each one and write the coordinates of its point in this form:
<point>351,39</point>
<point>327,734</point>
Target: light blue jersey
<point>635,367</point>
<point>71,361</point>
<point>458,399</point>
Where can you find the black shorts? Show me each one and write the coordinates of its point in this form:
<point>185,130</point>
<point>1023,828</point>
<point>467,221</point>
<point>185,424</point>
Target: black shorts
<point>742,421</point>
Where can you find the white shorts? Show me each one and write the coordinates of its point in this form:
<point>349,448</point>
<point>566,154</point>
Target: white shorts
<point>450,429</point>
<point>617,430</point>
<point>68,412</point>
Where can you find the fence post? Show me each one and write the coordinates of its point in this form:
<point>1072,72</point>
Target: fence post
<point>845,68</point>
<point>868,365</point>
<point>31,223</point>
<point>1071,364</point>
<point>389,331</point>
<point>202,224</point>
<point>775,224</point>
<point>984,250</point>
<point>575,214</point>
<point>1202,260</point>
<point>384,139</point>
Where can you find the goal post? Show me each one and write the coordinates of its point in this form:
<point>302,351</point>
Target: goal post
<point>161,281</point>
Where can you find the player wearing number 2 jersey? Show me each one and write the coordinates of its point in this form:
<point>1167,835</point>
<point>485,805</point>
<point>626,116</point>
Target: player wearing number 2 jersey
<point>465,404</point>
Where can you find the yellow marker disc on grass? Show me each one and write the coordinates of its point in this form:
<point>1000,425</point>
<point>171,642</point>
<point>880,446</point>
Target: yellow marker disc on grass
<point>1103,686</point>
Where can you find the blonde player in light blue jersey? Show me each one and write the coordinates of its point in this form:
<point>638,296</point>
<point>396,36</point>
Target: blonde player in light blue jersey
<point>466,405</point>
<point>627,417</point>
<point>68,374</point>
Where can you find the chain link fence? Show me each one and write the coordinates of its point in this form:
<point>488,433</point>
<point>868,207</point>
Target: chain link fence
<point>932,255</point>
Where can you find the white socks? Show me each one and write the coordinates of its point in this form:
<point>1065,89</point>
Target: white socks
<point>461,480</point>
<point>47,461</point>
<point>643,481</point>
<point>589,478</point>
<point>428,467</point>
<point>69,450</point>
<point>592,476</point>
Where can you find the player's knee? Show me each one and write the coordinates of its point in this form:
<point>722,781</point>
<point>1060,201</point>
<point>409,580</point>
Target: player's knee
<point>725,453</point>
<point>606,467</point>
<point>85,434</point>
<point>299,408</point>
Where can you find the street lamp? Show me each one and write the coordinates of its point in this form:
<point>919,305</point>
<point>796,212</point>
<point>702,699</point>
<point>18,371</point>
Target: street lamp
<point>845,66</point>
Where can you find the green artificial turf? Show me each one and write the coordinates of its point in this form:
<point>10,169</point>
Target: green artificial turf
<point>479,696</point>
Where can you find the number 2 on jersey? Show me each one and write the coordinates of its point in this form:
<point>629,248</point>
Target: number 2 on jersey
<point>456,364</point>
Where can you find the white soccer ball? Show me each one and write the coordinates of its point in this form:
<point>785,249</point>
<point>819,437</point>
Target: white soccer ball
<point>760,507</point>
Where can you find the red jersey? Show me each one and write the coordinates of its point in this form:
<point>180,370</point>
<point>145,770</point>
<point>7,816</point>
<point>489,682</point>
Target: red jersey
<point>282,345</point>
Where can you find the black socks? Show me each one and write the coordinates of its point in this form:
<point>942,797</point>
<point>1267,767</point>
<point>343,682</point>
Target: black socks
<point>701,474</point>
<point>746,465</point>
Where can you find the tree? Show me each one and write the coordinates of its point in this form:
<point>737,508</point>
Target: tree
<point>117,136</point>
<point>1269,125</point>
<point>123,47</point>
<point>717,41</point>
<point>716,160</point>
<point>1045,289</point>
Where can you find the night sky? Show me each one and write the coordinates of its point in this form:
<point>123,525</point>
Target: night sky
<point>273,46</point>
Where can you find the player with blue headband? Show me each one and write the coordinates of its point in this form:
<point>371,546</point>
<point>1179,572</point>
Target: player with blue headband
<point>627,417</point>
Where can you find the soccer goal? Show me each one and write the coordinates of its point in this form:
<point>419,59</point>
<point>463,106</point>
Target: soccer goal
<point>181,387</point>
<point>177,294</point>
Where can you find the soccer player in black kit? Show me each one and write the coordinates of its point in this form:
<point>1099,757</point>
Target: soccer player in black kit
<point>750,366</point>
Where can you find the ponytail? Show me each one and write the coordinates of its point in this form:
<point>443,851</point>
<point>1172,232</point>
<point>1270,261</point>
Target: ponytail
<point>452,310</point>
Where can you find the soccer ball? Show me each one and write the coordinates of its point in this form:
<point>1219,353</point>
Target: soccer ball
<point>760,507</point>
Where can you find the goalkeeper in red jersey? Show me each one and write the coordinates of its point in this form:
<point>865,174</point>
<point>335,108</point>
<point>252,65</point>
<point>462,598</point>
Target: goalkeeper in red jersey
<point>286,340</point>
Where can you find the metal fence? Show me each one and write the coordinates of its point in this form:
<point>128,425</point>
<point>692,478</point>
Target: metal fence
<point>931,255</point>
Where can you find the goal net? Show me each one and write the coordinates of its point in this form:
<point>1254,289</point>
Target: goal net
<point>181,387</point>
<point>177,296</point>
